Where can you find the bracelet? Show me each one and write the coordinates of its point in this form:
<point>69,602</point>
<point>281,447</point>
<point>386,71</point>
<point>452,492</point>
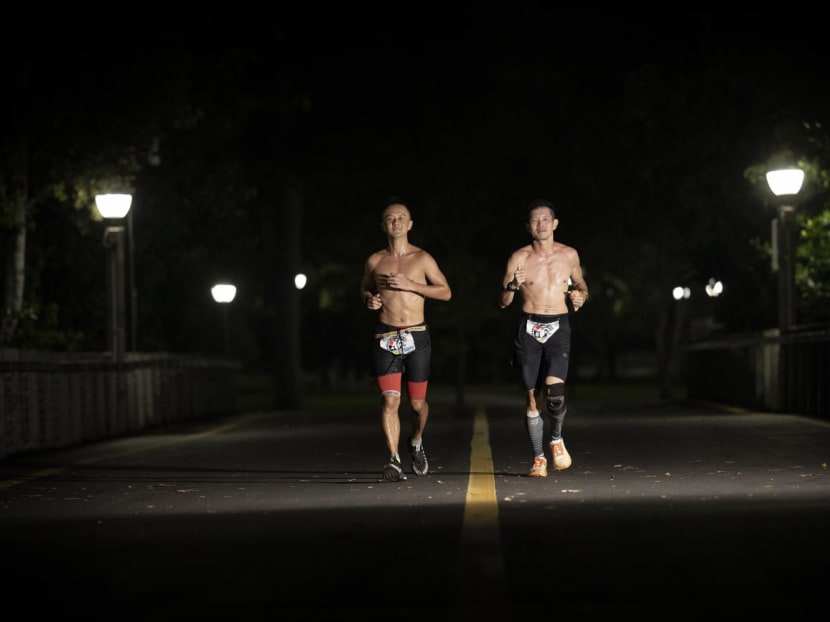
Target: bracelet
<point>512,287</point>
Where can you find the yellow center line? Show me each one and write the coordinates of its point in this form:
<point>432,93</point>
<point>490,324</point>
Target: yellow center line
<point>481,577</point>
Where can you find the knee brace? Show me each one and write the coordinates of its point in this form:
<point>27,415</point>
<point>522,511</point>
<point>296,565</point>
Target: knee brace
<point>555,399</point>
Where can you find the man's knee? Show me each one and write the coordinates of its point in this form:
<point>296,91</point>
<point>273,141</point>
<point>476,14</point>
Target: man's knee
<point>555,398</point>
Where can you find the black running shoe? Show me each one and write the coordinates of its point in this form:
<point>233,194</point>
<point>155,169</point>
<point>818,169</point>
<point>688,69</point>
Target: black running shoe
<point>393,471</point>
<point>420,466</point>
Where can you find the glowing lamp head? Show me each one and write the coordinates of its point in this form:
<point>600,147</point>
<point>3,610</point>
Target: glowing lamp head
<point>223,292</point>
<point>113,205</point>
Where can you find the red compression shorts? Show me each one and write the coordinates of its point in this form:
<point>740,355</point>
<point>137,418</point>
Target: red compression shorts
<point>391,383</point>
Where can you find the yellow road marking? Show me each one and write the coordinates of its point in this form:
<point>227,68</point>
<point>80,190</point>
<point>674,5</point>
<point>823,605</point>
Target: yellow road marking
<point>481,576</point>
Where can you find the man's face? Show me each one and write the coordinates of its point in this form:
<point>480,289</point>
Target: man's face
<point>396,220</point>
<point>541,222</point>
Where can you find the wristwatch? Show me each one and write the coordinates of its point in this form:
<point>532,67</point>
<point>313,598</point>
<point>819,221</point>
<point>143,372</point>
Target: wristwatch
<point>512,287</point>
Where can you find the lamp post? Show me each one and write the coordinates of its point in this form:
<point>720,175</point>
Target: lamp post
<point>115,206</point>
<point>224,293</point>
<point>786,183</point>
<point>133,292</point>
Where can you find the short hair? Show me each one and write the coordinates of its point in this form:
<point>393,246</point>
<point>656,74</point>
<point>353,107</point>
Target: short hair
<point>536,203</point>
<point>393,199</point>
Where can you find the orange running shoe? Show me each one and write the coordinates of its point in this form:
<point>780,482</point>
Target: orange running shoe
<point>561,457</point>
<point>539,468</point>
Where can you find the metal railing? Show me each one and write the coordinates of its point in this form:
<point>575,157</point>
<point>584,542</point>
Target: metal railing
<point>773,372</point>
<point>51,400</point>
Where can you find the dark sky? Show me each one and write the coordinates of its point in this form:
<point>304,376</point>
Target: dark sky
<point>393,75</point>
<point>530,80</point>
<point>466,92</point>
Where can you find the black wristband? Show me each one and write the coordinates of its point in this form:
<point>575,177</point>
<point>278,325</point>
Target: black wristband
<point>511,287</point>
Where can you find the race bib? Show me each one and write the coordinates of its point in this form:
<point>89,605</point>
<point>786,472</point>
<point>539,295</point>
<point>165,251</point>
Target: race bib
<point>541,331</point>
<point>399,343</point>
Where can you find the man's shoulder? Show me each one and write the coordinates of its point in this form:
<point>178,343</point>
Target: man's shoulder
<point>417,253</point>
<point>383,252</point>
<point>376,257</point>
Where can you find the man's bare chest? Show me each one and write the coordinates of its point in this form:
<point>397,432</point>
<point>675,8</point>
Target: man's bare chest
<point>405,265</point>
<point>547,271</point>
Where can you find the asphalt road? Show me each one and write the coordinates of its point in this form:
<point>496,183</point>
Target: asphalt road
<point>670,511</point>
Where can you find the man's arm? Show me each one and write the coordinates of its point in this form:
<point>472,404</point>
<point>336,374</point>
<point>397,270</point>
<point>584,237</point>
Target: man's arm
<point>579,288</point>
<point>367,283</point>
<point>512,280</point>
<point>437,286</point>
<point>368,287</point>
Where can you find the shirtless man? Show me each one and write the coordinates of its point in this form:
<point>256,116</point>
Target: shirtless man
<point>396,282</point>
<point>548,276</point>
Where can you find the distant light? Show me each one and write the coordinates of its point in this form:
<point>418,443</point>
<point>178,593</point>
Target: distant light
<point>714,288</point>
<point>300,280</point>
<point>113,205</point>
<point>681,292</point>
<point>223,292</point>
<point>154,153</point>
<point>785,181</point>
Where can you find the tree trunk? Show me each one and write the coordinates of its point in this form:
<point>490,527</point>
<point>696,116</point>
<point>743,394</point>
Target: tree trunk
<point>288,256</point>
<point>15,277</point>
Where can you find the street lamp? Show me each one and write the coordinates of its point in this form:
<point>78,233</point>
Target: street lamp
<point>224,293</point>
<point>681,292</point>
<point>115,206</point>
<point>786,183</point>
<point>714,288</point>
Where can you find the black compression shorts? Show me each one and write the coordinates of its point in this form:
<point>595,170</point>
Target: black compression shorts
<point>542,348</point>
<point>405,350</point>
